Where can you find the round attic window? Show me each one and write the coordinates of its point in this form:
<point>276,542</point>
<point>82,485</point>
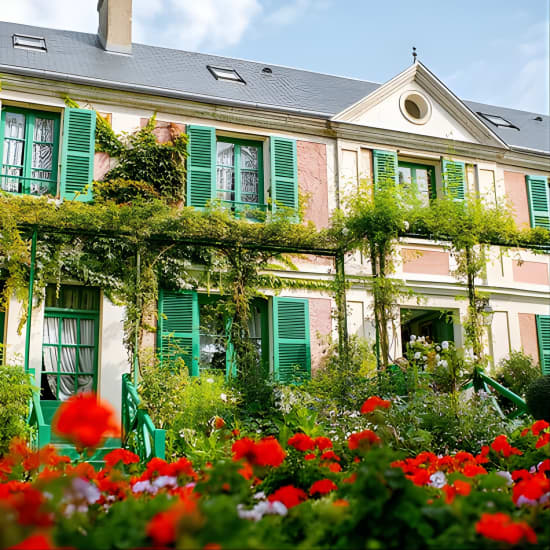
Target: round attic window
<point>415,107</point>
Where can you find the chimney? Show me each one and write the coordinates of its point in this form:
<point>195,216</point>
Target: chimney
<point>115,25</point>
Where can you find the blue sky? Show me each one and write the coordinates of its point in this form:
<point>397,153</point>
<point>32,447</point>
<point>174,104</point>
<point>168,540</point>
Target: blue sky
<point>491,51</point>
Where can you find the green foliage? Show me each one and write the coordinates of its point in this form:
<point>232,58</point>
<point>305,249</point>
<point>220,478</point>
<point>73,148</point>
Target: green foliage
<point>15,395</point>
<point>538,398</point>
<point>517,371</point>
<point>161,165</point>
<point>123,191</point>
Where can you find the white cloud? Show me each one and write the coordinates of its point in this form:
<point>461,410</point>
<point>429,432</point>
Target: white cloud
<point>292,11</point>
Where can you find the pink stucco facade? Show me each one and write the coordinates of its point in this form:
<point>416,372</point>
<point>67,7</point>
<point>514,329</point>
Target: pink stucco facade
<point>101,165</point>
<point>535,273</point>
<point>430,262</point>
<point>516,192</point>
<point>312,180</point>
<point>528,335</point>
<point>320,326</point>
<point>164,131</point>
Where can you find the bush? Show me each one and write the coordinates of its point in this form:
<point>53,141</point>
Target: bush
<point>538,398</point>
<point>15,394</point>
<point>123,191</point>
<point>517,372</point>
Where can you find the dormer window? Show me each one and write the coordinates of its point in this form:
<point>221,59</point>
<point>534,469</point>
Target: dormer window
<point>497,120</point>
<point>220,73</point>
<point>36,43</point>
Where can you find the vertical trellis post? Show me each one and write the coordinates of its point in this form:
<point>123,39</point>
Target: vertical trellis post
<point>138,315</point>
<point>341,305</point>
<point>30,299</point>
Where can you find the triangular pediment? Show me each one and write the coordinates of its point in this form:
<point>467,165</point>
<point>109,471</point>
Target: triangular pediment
<point>417,102</point>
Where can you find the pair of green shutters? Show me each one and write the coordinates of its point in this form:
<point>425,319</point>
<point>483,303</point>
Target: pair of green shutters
<point>386,173</point>
<point>178,335</point>
<point>201,168</point>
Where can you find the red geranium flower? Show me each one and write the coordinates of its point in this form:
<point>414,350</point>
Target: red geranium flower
<point>120,455</point>
<point>302,442</point>
<point>330,455</point>
<point>323,487</point>
<point>266,452</point>
<point>538,426</point>
<point>323,443</point>
<point>373,403</point>
<point>500,527</point>
<point>84,421</point>
<point>289,495</point>
<point>357,440</point>
<point>543,440</point>
<point>34,542</point>
<point>500,444</point>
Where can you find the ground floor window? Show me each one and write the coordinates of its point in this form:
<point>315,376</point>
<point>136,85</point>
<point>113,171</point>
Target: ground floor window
<point>70,338</point>
<point>435,325</point>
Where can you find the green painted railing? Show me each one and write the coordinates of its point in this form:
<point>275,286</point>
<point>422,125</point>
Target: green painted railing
<point>480,381</point>
<point>138,431</point>
<point>41,432</point>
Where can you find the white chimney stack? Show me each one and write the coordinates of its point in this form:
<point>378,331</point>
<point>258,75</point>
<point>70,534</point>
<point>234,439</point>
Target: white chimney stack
<point>115,25</point>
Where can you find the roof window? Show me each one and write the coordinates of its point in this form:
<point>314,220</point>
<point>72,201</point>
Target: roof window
<point>497,120</point>
<point>220,73</point>
<point>36,43</point>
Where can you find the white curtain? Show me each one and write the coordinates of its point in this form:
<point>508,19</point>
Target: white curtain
<point>13,150</point>
<point>85,383</point>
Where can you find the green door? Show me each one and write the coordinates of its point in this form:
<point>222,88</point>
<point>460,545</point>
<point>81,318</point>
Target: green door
<point>69,345</point>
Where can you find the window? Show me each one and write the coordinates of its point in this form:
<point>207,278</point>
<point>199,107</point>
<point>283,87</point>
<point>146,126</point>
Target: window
<point>36,43</point>
<point>497,120</point>
<point>419,179</point>
<point>220,73</point>
<point>434,325</point>
<point>29,141</point>
<point>69,347</point>
<point>239,173</point>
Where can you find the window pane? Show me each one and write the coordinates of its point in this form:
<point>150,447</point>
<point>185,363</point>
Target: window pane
<point>87,332</point>
<point>85,383</point>
<point>49,358</point>
<point>14,126</point>
<point>86,360</point>
<point>249,187</point>
<point>42,156</point>
<point>404,176</point>
<point>68,361</point>
<point>13,185</point>
<point>226,180</point>
<point>249,157</point>
<point>13,152</point>
<point>51,330</point>
<point>422,180</point>
<point>225,154</point>
<point>43,129</point>
<point>68,332</point>
<point>212,351</point>
<point>40,187</point>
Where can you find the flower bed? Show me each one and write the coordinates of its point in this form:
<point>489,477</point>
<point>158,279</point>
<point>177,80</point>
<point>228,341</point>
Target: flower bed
<point>265,493</point>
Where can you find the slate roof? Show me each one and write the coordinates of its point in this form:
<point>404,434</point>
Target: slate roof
<point>78,57</point>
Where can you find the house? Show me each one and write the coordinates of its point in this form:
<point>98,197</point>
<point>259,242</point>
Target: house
<point>261,132</point>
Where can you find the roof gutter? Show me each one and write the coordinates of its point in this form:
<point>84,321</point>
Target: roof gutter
<point>164,92</point>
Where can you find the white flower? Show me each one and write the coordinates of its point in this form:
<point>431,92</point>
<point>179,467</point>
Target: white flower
<point>444,363</point>
<point>438,480</point>
<point>210,380</point>
<point>437,357</point>
<point>424,358</point>
<point>223,397</point>
<point>417,355</point>
<point>527,501</point>
<point>445,345</point>
<point>413,338</point>
<point>84,490</point>
<point>165,481</point>
<point>438,348</point>
<point>507,476</point>
<point>406,225</point>
<point>144,487</point>
<point>259,496</point>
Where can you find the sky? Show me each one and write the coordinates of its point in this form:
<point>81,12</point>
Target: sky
<point>490,51</point>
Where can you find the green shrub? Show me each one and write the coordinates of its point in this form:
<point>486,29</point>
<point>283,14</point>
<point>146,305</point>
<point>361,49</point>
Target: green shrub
<point>123,191</point>
<point>517,371</point>
<point>538,398</point>
<point>15,395</point>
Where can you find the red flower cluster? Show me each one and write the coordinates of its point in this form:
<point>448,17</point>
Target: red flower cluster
<point>362,440</point>
<point>501,445</point>
<point>459,487</point>
<point>323,487</point>
<point>302,442</point>
<point>501,528</point>
<point>84,421</point>
<point>531,486</point>
<point>373,403</point>
<point>158,467</point>
<point>120,455</point>
<point>289,495</point>
<point>266,452</point>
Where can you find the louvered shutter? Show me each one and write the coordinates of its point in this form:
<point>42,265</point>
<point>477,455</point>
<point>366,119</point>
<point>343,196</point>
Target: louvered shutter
<point>284,172</point>
<point>385,168</point>
<point>543,332</point>
<point>539,201</point>
<point>77,156</point>
<point>291,343</point>
<point>201,165</point>
<point>454,179</point>
<point>178,331</point>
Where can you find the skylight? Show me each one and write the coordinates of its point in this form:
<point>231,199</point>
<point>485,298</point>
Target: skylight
<point>220,73</point>
<point>497,120</point>
<point>36,43</point>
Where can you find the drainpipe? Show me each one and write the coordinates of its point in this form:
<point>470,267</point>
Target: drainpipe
<point>30,298</point>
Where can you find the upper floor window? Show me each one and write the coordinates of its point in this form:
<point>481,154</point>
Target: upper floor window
<point>239,173</point>
<point>419,178</point>
<point>29,141</point>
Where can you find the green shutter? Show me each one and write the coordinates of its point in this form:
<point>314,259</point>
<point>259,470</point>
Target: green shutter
<point>291,344</point>
<point>284,172</point>
<point>77,158</point>
<point>2,321</point>
<point>543,332</point>
<point>454,179</point>
<point>385,168</point>
<point>178,330</point>
<point>230,360</point>
<point>201,165</point>
<point>539,201</point>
